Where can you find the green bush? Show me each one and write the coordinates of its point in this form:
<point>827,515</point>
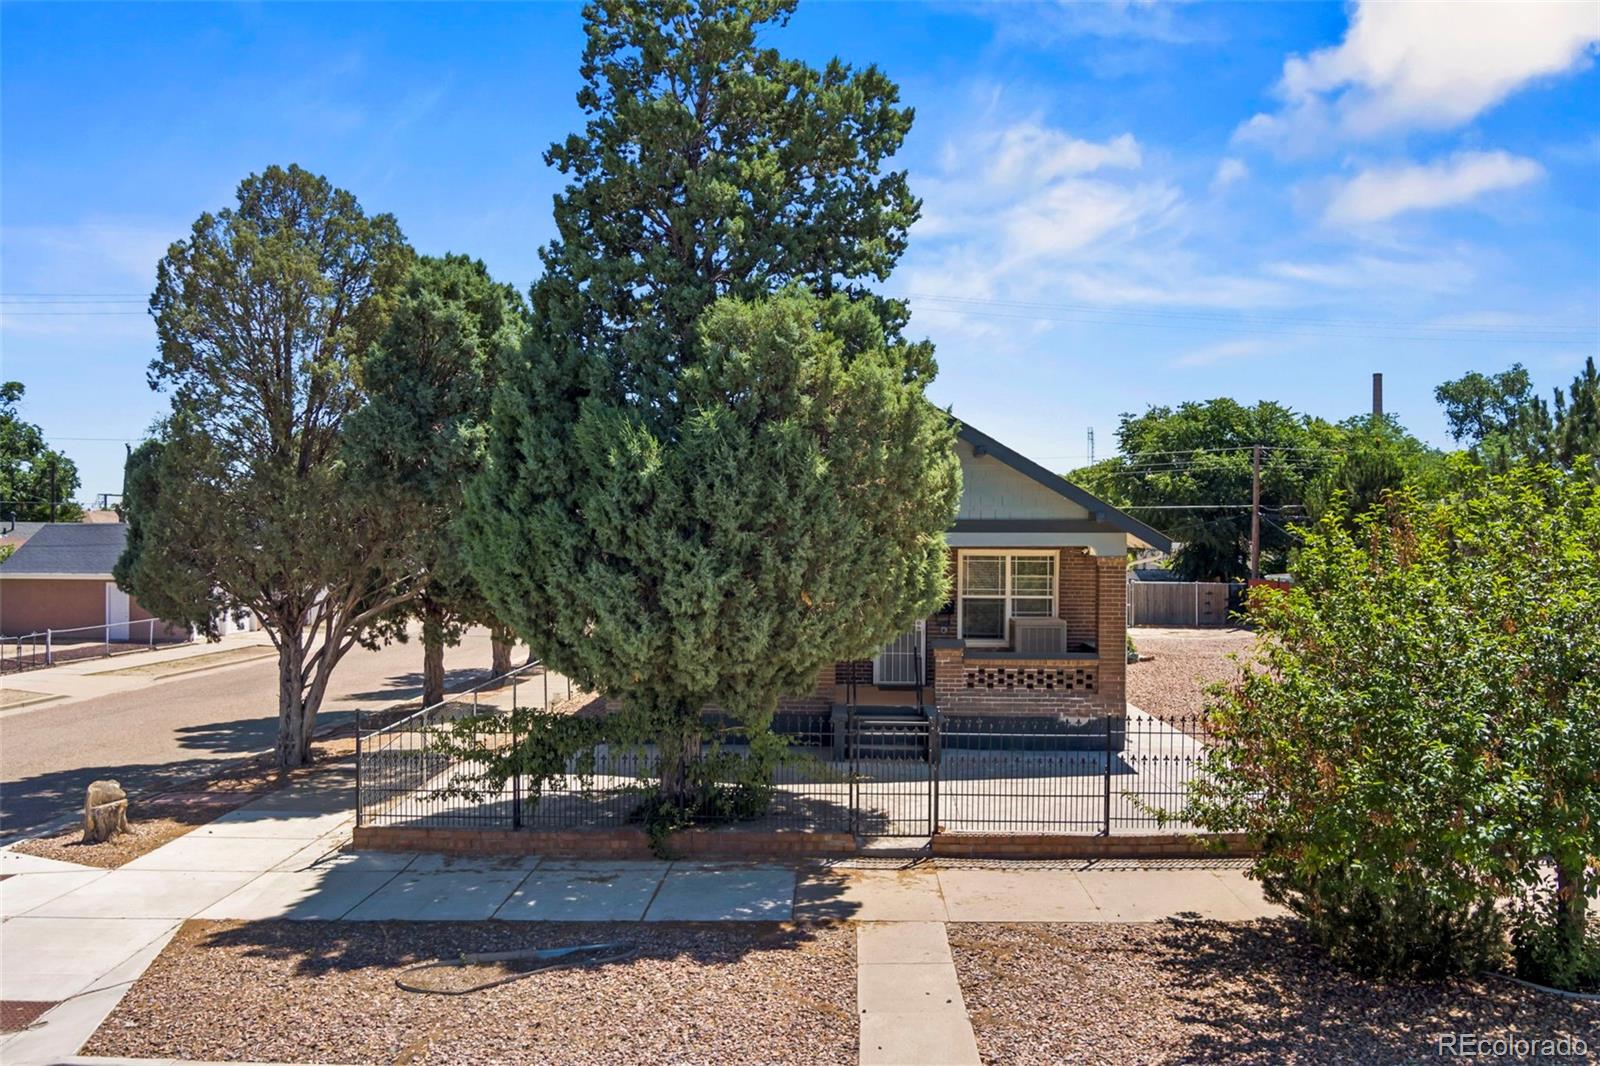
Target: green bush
<point>1417,741</point>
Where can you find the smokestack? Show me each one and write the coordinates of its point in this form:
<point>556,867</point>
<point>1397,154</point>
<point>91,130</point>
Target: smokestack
<point>1377,396</point>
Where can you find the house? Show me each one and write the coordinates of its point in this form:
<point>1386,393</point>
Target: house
<point>60,579</point>
<point>1036,623</point>
<point>14,534</point>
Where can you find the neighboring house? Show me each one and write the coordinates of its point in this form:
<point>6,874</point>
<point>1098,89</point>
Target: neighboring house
<point>60,578</point>
<point>16,534</point>
<point>1036,623</point>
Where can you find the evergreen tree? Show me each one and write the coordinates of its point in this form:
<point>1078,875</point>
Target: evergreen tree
<point>419,438</point>
<point>712,470</point>
<point>243,500</point>
<point>1502,420</point>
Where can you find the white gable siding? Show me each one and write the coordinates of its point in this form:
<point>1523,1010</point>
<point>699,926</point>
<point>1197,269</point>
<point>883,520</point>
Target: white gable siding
<point>991,489</point>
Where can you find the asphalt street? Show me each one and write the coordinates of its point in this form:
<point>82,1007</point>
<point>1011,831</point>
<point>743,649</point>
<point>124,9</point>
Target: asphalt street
<point>187,725</point>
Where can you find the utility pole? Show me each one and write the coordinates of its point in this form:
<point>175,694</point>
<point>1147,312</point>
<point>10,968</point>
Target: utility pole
<point>1091,445</point>
<point>1255,514</point>
<point>1377,397</point>
<point>52,490</point>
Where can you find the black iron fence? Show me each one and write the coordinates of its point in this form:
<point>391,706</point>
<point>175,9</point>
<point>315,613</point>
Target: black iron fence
<point>849,771</point>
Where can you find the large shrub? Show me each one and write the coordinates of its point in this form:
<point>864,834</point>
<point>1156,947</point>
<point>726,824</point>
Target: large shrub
<point>1419,741</point>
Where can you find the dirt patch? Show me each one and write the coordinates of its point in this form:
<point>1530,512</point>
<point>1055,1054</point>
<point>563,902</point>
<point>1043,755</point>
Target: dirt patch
<point>1172,685</point>
<point>16,697</point>
<point>324,992</point>
<point>1255,992</point>
<point>159,817</point>
<point>205,661</point>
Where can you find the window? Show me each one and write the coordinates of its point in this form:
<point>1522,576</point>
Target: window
<point>999,586</point>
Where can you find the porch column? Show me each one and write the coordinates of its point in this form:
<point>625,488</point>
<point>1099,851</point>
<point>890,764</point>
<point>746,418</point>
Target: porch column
<point>1111,632</point>
<point>947,660</point>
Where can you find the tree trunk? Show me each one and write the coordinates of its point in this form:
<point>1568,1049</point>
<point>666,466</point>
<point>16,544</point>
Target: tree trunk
<point>679,744</point>
<point>501,644</point>
<point>1572,905</point>
<point>294,728</point>
<point>432,654</point>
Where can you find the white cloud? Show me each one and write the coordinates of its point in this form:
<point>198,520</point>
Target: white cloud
<point>1438,271</point>
<point>1051,24</point>
<point>1225,351</point>
<point>1382,193</point>
<point>1423,65</point>
<point>1228,172</point>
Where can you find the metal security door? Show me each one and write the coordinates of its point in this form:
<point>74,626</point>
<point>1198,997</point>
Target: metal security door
<point>901,661</point>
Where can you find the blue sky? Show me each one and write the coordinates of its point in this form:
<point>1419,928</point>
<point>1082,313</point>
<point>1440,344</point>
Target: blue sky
<point>1125,204</point>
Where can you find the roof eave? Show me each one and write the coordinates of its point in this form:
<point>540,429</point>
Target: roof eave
<point>1099,510</point>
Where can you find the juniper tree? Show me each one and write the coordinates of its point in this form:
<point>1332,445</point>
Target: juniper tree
<point>418,438</point>
<point>243,502</point>
<point>712,470</point>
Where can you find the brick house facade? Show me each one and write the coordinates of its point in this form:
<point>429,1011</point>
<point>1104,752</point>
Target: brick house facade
<point>1020,530</point>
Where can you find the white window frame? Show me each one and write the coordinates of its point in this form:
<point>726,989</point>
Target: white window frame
<point>1009,596</point>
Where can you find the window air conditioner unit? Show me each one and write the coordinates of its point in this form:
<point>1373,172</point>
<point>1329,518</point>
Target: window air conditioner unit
<point>1038,636</point>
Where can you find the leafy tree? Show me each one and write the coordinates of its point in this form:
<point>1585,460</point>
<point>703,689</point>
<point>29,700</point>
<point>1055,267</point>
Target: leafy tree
<point>1420,734</point>
<point>1195,461</point>
<point>419,438</point>
<point>243,501</point>
<point>1374,457</point>
<point>1503,421</point>
<point>712,470</point>
<point>1480,406</point>
<point>36,475</point>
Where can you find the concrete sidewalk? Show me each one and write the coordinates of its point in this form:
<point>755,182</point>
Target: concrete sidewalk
<point>81,936</point>
<point>84,679</point>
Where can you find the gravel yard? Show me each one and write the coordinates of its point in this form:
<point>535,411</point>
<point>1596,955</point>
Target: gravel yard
<point>732,992</point>
<point>1244,993</point>
<point>1172,685</point>
<point>157,817</point>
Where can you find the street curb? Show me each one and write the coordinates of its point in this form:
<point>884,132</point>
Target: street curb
<point>270,652</point>
<point>43,697</point>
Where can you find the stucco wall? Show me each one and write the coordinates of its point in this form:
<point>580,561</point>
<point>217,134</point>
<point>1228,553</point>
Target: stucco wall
<point>31,605</point>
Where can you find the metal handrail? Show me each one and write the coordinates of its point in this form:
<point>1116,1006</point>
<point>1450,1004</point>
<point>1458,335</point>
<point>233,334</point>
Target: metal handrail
<point>493,682</point>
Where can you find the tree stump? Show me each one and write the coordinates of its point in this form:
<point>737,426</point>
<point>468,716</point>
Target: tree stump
<point>105,812</point>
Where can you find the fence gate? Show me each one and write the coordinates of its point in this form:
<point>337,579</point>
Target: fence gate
<point>894,775</point>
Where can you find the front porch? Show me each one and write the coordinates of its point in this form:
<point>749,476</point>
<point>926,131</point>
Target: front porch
<point>1029,631</point>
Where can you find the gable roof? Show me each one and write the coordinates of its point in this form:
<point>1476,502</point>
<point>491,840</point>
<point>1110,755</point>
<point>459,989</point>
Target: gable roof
<point>18,532</point>
<point>1099,510</point>
<point>69,549</point>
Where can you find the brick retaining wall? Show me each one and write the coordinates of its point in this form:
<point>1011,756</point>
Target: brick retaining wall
<point>603,843</point>
<point>1067,846</point>
<point>740,844</point>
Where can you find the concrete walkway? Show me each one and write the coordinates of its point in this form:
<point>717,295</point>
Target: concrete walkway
<point>87,678</point>
<point>908,997</point>
<point>80,936</point>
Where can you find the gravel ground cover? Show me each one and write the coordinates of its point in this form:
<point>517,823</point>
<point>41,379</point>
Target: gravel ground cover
<point>1256,992</point>
<point>729,992</point>
<point>156,818</point>
<point>1172,684</point>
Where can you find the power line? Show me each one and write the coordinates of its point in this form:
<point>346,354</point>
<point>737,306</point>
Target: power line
<point>1561,329</point>
<point>1241,327</point>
